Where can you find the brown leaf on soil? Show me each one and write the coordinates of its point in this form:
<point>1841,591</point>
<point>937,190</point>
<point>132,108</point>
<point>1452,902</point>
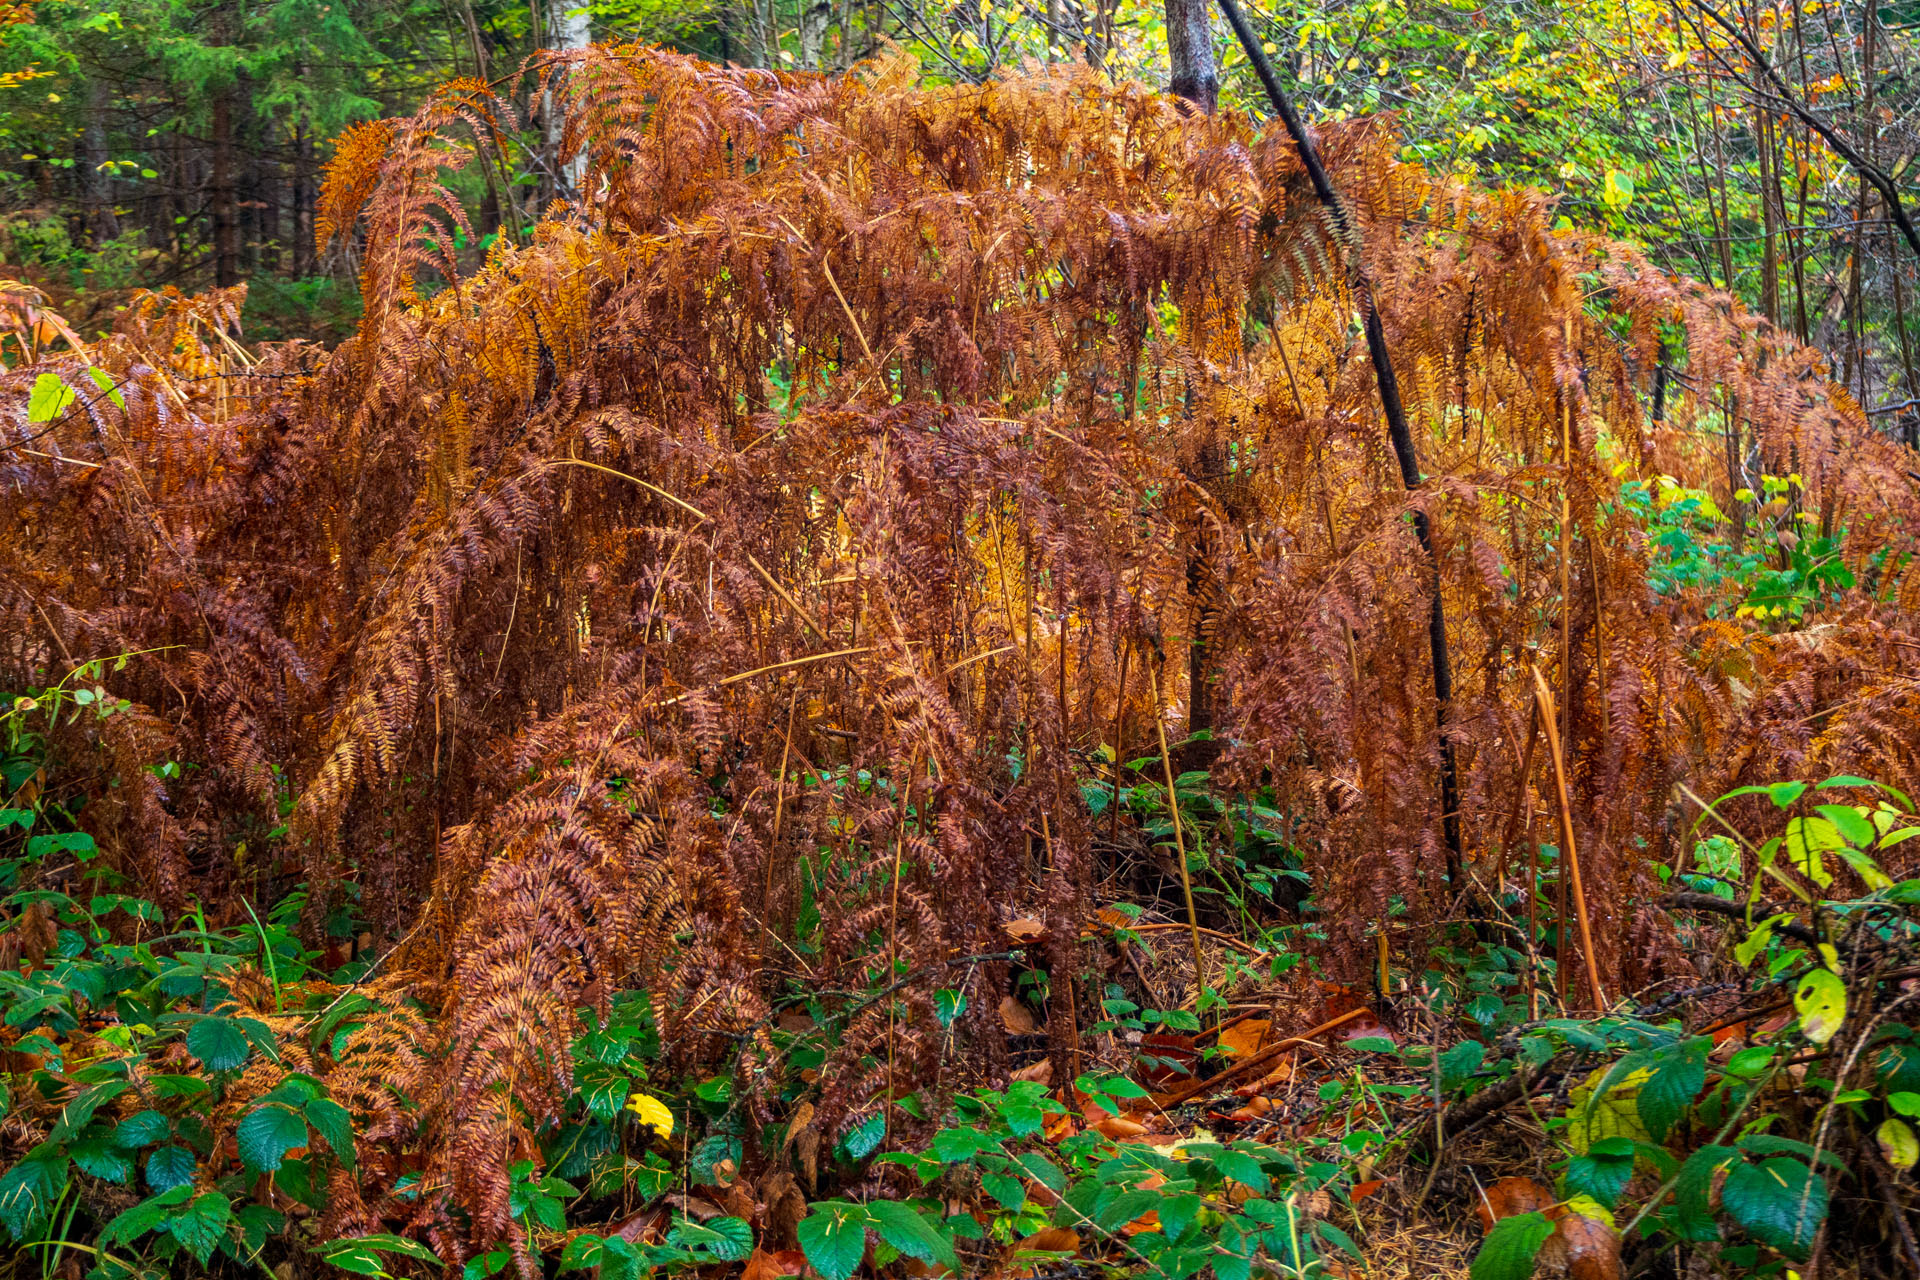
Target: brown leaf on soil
<point>1024,931</point>
<point>1016,1017</point>
<point>772,1264</point>
<point>1116,1128</point>
<point>1040,1072</point>
<point>1243,1039</point>
<point>1581,1248</point>
<point>1511,1196</point>
<point>1282,1073</point>
<point>1052,1240</point>
<point>1256,1108</point>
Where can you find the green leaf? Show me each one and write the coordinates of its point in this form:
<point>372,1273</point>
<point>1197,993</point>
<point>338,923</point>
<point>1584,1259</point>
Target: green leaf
<point>145,1216</point>
<point>201,1225</point>
<point>49,398</point>
<point>728,1239</point>
<point>1783,794</point>
<point>834,1238</point>
<point>98,1157</point>
<point>218,1042</point>
<point>76,1114</point>
<point>1124,1208</point>
<point>1679,1073</point>
<point>1511,1247</point>
<point>1779,1202</point>
<point>1851,823</point>
<point>1043,1171</point>
<point>1809,840</point>
<point>1460,1062</point>
<point>104,380</point>
<point>865,1138</point>
<point>1821,1002</point>
<point>1007,1189</point>
<point>1604,1171</point>
<point>335,1127</point>
<point>948,1005</point>
<point>170,1167</point>
<point>361,1254</point>
<point>910,1233</point>
<point>1241,1167</point>
<point>143,1128</point>
<point>268,1133</point>
<point>29,1189</point>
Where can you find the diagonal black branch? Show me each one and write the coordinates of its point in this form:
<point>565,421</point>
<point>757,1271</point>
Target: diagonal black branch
<point>1876,177</point>
<point>1396,414</point>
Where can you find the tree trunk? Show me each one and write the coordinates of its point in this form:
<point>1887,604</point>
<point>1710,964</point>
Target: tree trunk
<point>96,184</point>
<point>569,28</point>
<point>1196,77</point>
<point>226,248</point>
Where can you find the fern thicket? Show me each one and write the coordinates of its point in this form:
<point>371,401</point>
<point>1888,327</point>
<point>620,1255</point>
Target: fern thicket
<point>913,435</point>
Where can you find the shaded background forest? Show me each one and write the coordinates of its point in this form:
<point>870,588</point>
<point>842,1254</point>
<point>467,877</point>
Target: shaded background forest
<point>1768,149</point>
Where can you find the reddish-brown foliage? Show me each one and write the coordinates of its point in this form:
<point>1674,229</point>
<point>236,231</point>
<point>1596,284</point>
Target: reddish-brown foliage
<point>546,595</point>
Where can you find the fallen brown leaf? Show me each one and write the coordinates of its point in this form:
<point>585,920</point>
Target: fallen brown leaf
<point>1040,1072</point>
<point>1016,1017</point>
<point>1243,1039</point>
<point>772,1264</point>
<point>1586,1248</point>
<point>1024,930</point>
<point>1511,1196</point>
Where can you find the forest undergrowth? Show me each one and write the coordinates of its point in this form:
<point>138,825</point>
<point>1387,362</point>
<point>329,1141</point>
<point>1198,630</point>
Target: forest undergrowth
<point>877,697</point>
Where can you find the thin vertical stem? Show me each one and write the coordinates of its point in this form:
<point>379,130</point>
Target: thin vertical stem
<point>1180,847</point>
<point>1571,855</point>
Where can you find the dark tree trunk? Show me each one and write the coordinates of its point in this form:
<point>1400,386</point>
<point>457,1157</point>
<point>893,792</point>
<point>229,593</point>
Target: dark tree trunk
<point>96,184</point>
<point>220,194</point>
<point>1196,77</point>
<point>303,247</point>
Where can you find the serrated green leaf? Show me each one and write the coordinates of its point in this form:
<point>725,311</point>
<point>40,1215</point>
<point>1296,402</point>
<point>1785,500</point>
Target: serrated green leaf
<point>1123,1208</point>
<point>335,1126</point>
<point>1783,794</point>
<point>104,380</point>
<point>97,1157</point>
<point>1603,1171</point>
<point>1007,1189</point>
<point>145,1216</point>
<point>267,1133</point>
<point>219,1043</point>
<point>49,398</point>
<point>361,1255</point>
<point>865,1138</point>
<point>728,1239</point>
<point>1779,1202</point>
<point>143,1128</point>
<point>29,1189</point>
<point>1850,822</point>
<point>834,1238</point>
<point>1511,1247</point>
<point>200,1226</point>
<point>910,1233</point>
<point>1679,1072</point>
<point>170,1167</point>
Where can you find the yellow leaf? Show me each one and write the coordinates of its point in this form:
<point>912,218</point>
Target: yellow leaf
<point>1614,1114</point>
<point>1898,1143</point>
<point>1821,1002</point>
<point>652,1112</point>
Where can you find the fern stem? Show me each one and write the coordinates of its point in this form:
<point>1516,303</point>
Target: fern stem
<point>1545,695</point>
<point>1398,430</point>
